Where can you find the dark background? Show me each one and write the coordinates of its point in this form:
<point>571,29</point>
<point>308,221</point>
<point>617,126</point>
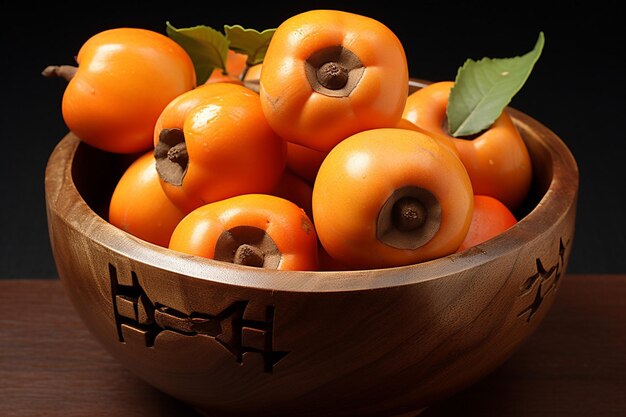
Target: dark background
<point>576,89</point>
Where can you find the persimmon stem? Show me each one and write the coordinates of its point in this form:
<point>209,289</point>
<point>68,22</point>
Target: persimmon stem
<point>409,218</point>
<point>332,75</point>
<point>249,255</point>
<point>178,153</point>
<point>63,71</point>
<point>408,214</point>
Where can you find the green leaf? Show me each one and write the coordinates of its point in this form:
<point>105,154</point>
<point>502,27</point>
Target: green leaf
<point>250,42</point>
<point>207,47</point>
<point>482,89</point>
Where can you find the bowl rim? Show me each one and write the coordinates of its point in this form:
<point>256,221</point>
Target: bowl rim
<point>64,200</point>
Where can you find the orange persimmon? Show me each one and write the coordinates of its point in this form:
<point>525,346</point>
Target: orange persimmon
<point>235,67</point>
<point>445,140</point>
<point>496,159</point>
<point>303,161</point>
<point>258,230</point>
<point>125,78</point>
<point>490,218</point>
<point>214,142</point>
<point>327,262</point>
<point>295,189</point>
<point>388,197</point>
<point>235,63</point>
<point>328,74</point>
<point>140,207</point>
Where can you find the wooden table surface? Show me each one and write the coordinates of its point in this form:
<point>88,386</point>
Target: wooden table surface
<point>574,365</point>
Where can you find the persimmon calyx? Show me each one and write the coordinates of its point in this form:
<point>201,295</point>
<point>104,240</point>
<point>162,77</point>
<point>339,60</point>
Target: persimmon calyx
<point>171,156</point>
<point>247,245</point>
<point>334,71</point>
<point>409,218</point>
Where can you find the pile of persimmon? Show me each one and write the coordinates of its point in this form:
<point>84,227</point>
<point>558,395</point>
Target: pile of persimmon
<point>301,151</point>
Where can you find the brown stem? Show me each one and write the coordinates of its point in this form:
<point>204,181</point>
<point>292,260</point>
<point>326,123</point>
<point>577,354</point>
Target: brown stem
<point>178,153</point>
<point>408,214</point>
<point>249,255</point>
<point>332,75</point>
<point>63,71</point>
<point>409,218</point>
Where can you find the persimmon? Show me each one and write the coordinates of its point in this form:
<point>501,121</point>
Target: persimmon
<point>258,230</point>
<point>388,197</point>
<point>327,262</point>
<point>445,140</point>
<point>490,218</point>
<point>303,161</point>
<point>328,74</point>
<point>295,189</point>
<point>214,142</point>
<point>496,159</point>
<point>140,207</point>
<point>237,72</point>
<point>235,63</point>
<point>125,78</point>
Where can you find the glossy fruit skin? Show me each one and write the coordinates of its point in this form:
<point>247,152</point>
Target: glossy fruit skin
<point>444,140</point>
<point>232,149</point>
<point>319,121</point>
<point>497,160</point>
<point>140,207</point>
<point>305,162</point>
<point>361,173</point>
<point>288,226</point>
<point>490,218</point>
<point>125,77</point>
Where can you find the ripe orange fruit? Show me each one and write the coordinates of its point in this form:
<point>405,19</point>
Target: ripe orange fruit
<point>389,197</point>
<point>139,205</point>
<point>213,143</point>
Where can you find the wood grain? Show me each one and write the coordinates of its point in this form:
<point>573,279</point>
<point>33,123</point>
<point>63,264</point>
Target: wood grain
<point>241,341</point>
<point>252,342</point>
<point>574,365</point>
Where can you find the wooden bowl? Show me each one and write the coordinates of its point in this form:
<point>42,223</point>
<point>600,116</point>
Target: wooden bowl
<point>240,341</point>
